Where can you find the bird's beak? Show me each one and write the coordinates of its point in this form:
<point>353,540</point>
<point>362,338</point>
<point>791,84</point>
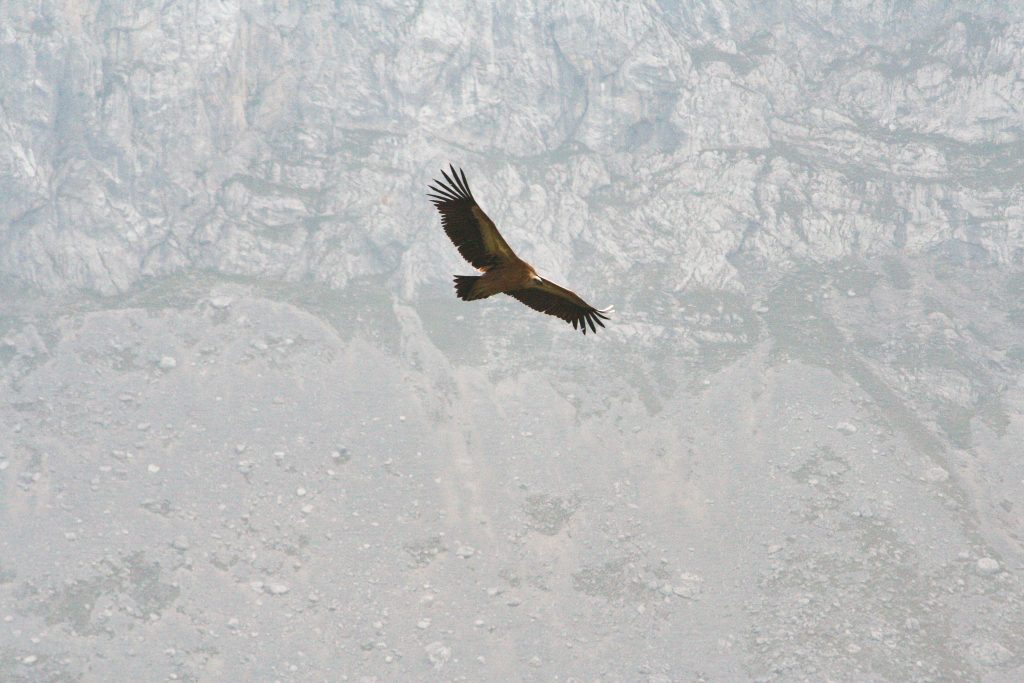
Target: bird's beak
<point>538,280</point>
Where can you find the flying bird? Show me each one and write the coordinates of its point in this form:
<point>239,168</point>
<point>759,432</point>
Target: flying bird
<point>478,240</point>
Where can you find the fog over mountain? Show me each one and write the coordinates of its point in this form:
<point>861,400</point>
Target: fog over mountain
<point>247,432</point>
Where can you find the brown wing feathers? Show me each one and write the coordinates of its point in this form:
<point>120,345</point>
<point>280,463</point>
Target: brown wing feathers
<point>464,228</point>
<point>564,304</point>
<point>478,240</point>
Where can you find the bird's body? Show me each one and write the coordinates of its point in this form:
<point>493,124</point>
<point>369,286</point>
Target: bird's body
<point>505,277</point>
<point>478,240</point>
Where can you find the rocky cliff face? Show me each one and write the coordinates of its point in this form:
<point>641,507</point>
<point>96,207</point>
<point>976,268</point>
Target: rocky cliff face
<point>248,433</point>
<point>294,141</point>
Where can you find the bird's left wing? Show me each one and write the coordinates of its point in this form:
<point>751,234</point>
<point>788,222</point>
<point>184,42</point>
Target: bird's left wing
<point>467,226</point>
<point>547,297</point>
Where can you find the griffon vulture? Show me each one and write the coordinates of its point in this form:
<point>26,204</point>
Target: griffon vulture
<point>480,243</point>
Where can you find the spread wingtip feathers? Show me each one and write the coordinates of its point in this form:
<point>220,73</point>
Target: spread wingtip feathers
<point>478,240</point>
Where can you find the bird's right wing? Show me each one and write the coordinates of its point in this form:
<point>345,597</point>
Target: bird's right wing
<point>563,303</point>
<point>467,226</point>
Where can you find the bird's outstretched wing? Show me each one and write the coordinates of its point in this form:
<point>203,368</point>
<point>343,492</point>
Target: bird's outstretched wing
<point>466,224</point>
<point>547,297</point>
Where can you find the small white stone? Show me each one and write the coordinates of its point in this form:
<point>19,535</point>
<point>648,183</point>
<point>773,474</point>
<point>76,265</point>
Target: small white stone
<point>168,362</point>
<point>438,653</point>
<point>465,552</point>
<point>300,492</point>
<point>846,428</point>
<point>423,623</point>
<point>153,468</point>
<point>988,566</point>
<point>690,586</point>
<point>31,659</point>
<point>180,543</point>
<point>278,588</point>
<point>935,475</point>
<point>221,301</point>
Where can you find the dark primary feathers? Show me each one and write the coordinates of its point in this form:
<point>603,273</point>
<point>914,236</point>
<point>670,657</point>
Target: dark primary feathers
<point>560,302</point>
<point>467,226</point>
<point>478,240</point>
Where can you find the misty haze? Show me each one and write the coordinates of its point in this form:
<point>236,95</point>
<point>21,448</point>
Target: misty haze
<point>248,431</point>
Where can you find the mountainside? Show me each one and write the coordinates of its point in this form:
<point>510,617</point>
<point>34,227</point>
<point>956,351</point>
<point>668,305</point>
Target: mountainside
<point>248,433</point>
<point>296,143</point>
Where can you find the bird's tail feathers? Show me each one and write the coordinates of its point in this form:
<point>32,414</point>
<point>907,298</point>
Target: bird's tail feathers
<point>464,286</point>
